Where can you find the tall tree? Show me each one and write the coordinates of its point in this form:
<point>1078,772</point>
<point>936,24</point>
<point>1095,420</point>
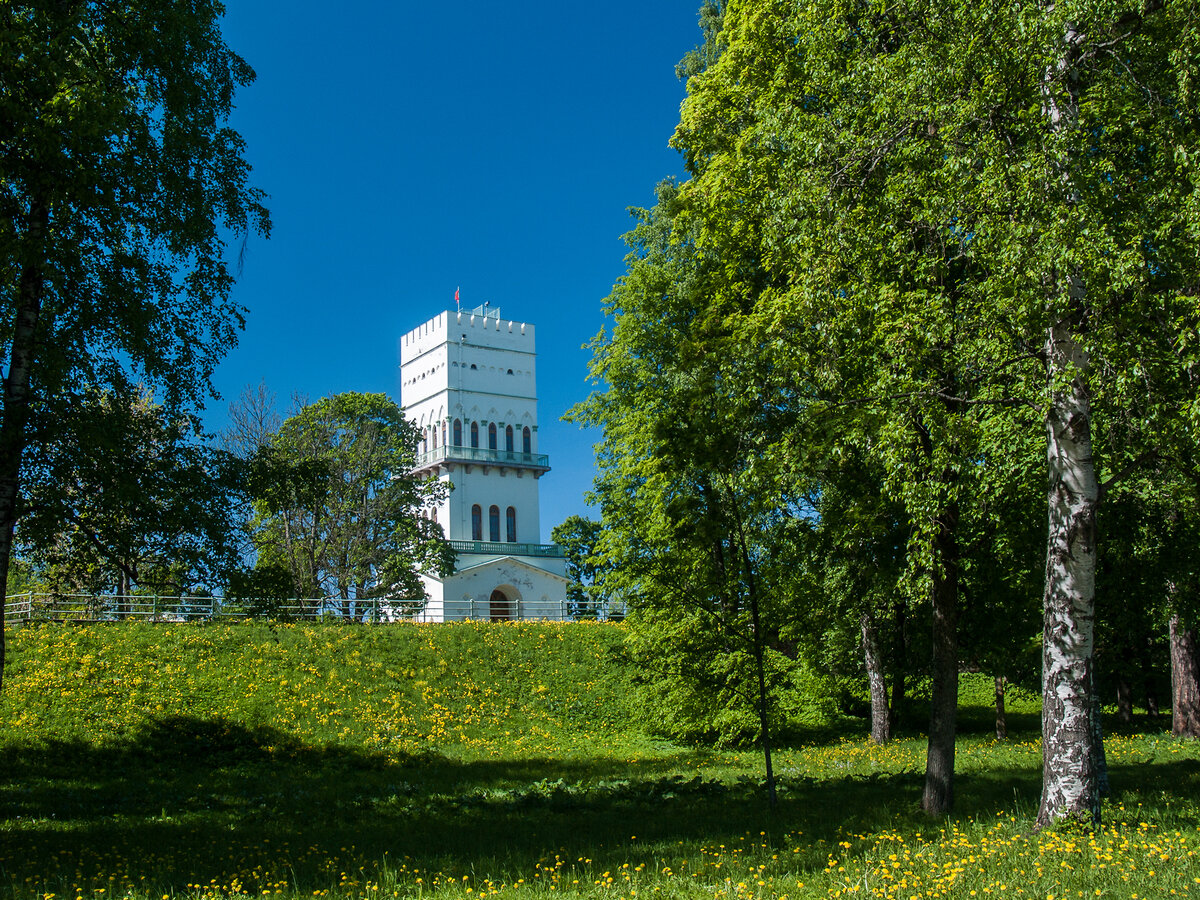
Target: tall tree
<point>119,187</point>
<point>702,535</point>
<point>346,519</point>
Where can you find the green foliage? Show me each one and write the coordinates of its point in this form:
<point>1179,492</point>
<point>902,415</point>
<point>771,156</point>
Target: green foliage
<point>579,537</point>
<point>126,497</point>
<point>113,117</point>
<point>695,684</point>
<point>263,591</point>
<point>338,508</point>
<point>699,535</point>
<point>24,577</point>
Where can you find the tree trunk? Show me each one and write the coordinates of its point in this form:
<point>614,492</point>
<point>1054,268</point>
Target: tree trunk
<point>881,726</point>
<point>1001,719</point>
<point>1069,754</point>
<point>938,797</point>
<point>16,399</point>
<point>899,694</point>
<point>759,649</point>
<point>1098,740</point>
<point>124,589</point>
<point>1185,680</point>
<point>1124,699</point>
<point>899,667</point>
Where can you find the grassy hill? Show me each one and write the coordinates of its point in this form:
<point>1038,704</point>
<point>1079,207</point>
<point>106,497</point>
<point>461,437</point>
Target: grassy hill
<point>468,760</point>
<point>469,689</point>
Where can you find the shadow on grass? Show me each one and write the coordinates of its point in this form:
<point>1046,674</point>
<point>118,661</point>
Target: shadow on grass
<point>189,801</point>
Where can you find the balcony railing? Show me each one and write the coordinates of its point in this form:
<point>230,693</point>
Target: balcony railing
<point>503,548</point>
<point>483,457</point>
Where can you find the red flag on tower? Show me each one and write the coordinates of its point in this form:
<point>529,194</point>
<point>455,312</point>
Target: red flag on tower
<point>456,303</point>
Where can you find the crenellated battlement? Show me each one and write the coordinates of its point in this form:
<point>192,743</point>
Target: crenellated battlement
<point>481,327</point>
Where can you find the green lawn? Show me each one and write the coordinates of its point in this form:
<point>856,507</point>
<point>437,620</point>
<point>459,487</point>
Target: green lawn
<point>469,760</point>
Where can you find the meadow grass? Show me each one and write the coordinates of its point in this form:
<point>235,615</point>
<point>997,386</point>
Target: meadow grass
<point>474,760</point>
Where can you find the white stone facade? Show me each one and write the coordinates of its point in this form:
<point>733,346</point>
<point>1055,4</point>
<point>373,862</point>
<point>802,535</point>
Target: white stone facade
<point>468,380</point>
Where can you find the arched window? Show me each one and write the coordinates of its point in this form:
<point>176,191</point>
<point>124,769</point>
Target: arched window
<point>432,514</point>
<point>526,440</point>
<point>491,435</point>
<point>434,430</point>
<point>425,440</point>
<point>508,438</point>
<point>457,432</point>
<point>476,523</point>
<point>510,520</point>
<point>445,443</point>
<point>475,435</point>
<point>494,523</point>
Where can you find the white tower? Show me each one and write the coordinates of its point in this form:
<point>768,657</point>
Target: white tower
<point>467,380</point>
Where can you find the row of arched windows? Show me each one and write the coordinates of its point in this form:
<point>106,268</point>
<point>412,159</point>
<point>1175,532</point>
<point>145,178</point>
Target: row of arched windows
<point>510,524</point>
<point>430,438</point>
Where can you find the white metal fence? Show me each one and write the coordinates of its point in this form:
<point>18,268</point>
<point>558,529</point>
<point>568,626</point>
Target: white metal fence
<point>26,608</point>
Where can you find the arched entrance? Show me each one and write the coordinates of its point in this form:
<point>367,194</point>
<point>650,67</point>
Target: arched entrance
<point>501,608</point>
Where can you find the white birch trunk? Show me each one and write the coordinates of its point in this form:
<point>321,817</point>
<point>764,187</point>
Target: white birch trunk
<point>1070,762</point>
<point>1069,759</point>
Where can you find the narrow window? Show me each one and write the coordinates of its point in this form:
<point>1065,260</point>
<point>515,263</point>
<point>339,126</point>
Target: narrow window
<point>475,435</point>
<point>526,440</point>
<point>434,430</point>
<point>508,439</point>
<point>491,435</point>
<point>457,432</point>
<point>494,524</point>
<point>445,443</point>
<point>476,523</point>
<point>510,520</point>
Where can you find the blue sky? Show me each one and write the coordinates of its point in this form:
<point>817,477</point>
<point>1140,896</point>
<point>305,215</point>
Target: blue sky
<point>409,149</point>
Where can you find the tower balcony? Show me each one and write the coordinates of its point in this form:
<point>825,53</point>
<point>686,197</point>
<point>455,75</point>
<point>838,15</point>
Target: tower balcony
<point>503,548</point>
<point>448,457</point>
